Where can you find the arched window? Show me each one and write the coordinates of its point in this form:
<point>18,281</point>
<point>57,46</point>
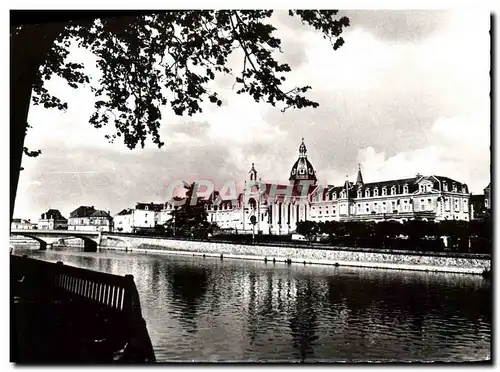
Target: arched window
<point>375,192</point>
<point>405,189</point>
<point>360,193</point>
<point>384,191</point>
<point>393,190</point>
<point>367,193</point>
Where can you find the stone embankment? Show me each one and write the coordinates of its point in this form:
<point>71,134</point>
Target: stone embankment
<point>281,254</point>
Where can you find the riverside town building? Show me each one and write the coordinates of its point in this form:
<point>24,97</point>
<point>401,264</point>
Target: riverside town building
<point>426,197</point>
<point>278,207</point>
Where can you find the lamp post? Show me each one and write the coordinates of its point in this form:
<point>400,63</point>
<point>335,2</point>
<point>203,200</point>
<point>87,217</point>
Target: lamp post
<point>253,221</point>
<point>175,215</point>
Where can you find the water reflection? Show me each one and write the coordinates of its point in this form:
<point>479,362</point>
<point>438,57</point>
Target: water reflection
<point>188,286</point>
<point>206,309</point>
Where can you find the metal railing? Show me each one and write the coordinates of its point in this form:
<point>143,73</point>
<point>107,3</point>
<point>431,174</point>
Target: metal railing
<point>116,295</point>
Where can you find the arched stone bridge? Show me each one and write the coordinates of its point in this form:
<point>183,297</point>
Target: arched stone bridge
<point>91,239</point>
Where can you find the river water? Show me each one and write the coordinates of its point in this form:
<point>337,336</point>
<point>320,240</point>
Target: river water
<point>205,309</point>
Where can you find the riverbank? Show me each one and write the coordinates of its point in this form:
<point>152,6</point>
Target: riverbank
<point>293,255</point>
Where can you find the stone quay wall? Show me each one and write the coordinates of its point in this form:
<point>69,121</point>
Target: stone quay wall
<point>289,255</point>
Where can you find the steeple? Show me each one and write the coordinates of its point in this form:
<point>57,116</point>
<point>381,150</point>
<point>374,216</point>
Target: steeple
<point>359,180</point>
<point>302,149</point>
<point>253,173</point>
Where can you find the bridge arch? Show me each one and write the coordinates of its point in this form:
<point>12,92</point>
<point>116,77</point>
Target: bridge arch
<point>43,243</point>
<point>89,244</point>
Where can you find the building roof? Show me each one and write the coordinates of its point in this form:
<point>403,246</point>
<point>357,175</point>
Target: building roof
<point>100,213</point>
<point>82,211</point>
<point>53,214</point>
<point>21,220</point>
<point>302,169</point>
<point>150,206</point>
<point>125,212</point>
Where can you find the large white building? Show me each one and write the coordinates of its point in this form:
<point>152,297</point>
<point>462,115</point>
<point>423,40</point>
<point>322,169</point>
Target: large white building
<point>143,216</point>
<point>278,207</point>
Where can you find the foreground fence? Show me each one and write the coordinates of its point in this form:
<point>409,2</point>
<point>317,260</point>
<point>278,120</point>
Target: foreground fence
<point>66,314</point>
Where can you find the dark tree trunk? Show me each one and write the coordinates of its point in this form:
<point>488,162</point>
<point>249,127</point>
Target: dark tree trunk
<point>28,51</point>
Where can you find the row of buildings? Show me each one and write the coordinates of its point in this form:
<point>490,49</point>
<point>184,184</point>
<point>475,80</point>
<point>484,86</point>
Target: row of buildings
<point>275,208</point>
<point>83,219</point>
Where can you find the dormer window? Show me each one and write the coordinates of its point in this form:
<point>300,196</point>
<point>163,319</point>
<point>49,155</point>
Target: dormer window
<point>454,188</point>
<point>146,208</point>
<point>367,193</point>
<point>405,189</point>
<point>464,190</point>
<point>393,190</point>
<point>334,195</point>
<point>375,192</point>
<point>360,193</point>
<point>384,191</point>
<point>445,186</point>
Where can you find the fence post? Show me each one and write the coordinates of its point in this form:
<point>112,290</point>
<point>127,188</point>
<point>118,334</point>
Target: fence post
<point>140,345</point>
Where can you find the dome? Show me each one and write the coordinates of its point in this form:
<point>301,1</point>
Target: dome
<point>302,169</point>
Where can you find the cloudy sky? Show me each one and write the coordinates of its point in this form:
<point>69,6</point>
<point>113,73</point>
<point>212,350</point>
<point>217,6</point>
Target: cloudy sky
<point>408,93</point>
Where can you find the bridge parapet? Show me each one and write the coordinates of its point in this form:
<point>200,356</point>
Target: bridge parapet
<point>91,239</point>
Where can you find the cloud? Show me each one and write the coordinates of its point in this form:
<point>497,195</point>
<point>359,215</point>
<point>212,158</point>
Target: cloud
<point>397,25</point>
<point>441,157</point>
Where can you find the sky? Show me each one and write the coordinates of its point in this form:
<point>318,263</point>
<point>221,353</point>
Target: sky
<point>408,93</point>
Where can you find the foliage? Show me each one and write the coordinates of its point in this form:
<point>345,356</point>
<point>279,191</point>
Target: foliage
<point>151,60</point>
<point>190,218</point>
<point>308,228</point>
<point>413,234</point>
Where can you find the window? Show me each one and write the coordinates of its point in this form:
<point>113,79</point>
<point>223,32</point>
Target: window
<point>375,192</point>
<point>393,203</point>
<point>146,207</point>
<point>384,191</point>
<point>393,190</point>
<point>445,186</point>
<point>405,189</point>
<point>454,188</point>
<point>422,205</point>
<point>360,193</point>
<point>367,193</point>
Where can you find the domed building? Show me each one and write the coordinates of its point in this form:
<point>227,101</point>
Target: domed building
<point>302,169</point>
<point>271,208</point>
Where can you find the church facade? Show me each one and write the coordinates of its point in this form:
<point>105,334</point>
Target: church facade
<point>272,208</point>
